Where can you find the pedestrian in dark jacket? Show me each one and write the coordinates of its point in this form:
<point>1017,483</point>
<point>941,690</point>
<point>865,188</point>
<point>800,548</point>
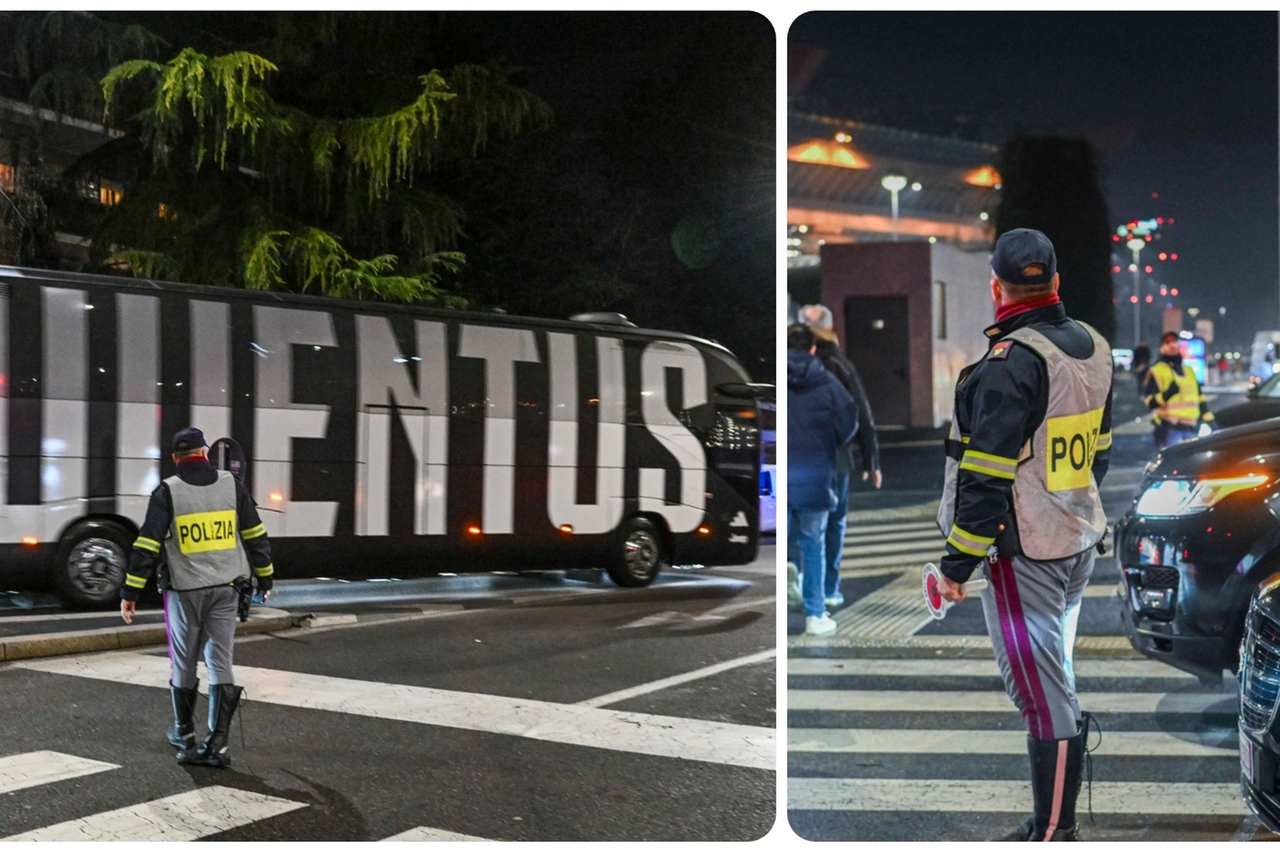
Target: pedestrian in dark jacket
<point>821,417</point>
<point>821,323</point>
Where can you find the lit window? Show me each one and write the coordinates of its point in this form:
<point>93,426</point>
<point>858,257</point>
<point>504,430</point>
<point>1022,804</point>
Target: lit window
<point>110,194</point>
<point>8,177</point>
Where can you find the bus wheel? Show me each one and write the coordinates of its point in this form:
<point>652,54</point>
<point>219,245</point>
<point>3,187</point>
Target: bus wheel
<point>638,555</point>
<point>90,563</point>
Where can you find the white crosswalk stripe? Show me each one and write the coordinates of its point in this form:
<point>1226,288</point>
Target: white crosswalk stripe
<point>601,728</point>
<point>848,714</point>
<point>427,833</point>
<point>1005,797</point>
<point>181,817</point>
<point>931,668</point>
<point>31,769</point>
<point>879,545</point>
<point>993,702</point>
<point>1007,742</point>
<point>186,816</point>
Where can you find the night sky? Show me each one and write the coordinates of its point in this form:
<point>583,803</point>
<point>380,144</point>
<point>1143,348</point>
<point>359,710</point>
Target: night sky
<point>1179,104</point>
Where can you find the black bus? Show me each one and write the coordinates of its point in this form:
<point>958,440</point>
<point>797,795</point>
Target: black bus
<point>380,439</point>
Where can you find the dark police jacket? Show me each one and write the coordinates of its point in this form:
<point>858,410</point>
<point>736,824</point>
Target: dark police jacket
<point>1000,403</point>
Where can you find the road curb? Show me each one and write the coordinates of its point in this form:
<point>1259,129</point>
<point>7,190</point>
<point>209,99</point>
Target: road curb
<point>261,620</point>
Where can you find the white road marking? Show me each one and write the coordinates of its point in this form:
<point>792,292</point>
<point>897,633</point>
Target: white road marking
<point>992,701</point>
<point>182,817</point>
<point>905,558</point>
<point>1011,742</point>
<point>936,543</point>
<point>428,833</point>
<point>726,571</point>
<point>685,618</point>
<point>1007,797</point>
<point>931,668</point>
<point>744,604</point>
<point>664,683</point>
<point>31,769</point>
<point>892,527</point>
<point>854,538</point>
<point>599,728</point>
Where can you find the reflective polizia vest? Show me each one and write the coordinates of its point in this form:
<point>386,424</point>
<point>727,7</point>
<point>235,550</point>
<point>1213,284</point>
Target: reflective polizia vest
<point>1183,406</point>
<point>1055,499</point>
<point>203,548</point>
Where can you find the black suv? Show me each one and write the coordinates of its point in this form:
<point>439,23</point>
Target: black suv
<point>1259,687</point>
<point>1202,535</point>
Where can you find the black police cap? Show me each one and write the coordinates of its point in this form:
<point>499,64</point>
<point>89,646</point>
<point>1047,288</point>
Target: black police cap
<point>188,439</point>
<point>1021,248</point>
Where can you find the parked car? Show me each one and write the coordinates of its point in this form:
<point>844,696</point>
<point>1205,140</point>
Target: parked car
<point>1201,535</point>
<point>1259,684</point>
<point>1261,402</point>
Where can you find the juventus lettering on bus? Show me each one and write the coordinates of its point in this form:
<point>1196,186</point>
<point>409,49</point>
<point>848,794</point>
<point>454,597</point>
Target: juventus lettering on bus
<point>378,439</point>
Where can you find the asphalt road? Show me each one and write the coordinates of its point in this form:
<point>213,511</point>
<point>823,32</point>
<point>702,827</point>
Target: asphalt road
<point>579,712</point>
<point>898,726</point>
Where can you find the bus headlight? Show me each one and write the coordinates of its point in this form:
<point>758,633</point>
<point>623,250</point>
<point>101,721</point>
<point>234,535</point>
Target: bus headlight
<point>1186,497</point>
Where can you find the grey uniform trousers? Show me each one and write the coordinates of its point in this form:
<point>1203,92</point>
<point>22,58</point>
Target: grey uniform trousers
<point>1031,608</point>
<point>200,620</point>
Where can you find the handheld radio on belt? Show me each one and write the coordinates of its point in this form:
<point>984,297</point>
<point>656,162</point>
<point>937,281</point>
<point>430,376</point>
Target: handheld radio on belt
<point>938,605</point>
<point>226,454</point>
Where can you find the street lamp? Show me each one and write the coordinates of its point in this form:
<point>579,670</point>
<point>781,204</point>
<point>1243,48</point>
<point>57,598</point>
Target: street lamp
<point>894,184</point>
<point>1136,245</point>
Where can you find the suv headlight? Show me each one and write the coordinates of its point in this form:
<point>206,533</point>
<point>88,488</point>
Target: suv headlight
<point>1185,497</point>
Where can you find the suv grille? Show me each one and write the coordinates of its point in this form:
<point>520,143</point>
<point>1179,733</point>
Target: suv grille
<point>1259,671</point>
<point>1161,577</point>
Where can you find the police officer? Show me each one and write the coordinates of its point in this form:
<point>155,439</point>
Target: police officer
<point>1030,442</point>
<point>1173,394</point>
<point>211,536</point>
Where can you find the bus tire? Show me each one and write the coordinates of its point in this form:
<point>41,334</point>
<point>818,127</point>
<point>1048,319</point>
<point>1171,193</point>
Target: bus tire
<point>638,554</point>
<point>90,563</point>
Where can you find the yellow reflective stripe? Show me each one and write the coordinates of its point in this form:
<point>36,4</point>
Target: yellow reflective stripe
<point>134,581</point>
<point>253,532</point>
<point>264,571</point>
<point>991,457</point>
<point>147,544</point>
<point>989,464</point>
<point>990,472</point>
<point>965,439</point>
<point>967,543</point>
<point>1104,441</point>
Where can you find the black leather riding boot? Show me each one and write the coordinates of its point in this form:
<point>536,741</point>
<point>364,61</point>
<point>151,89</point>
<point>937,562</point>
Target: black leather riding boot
<point>182,736</point>
<point>1056,767</point>
<point>223,700</point>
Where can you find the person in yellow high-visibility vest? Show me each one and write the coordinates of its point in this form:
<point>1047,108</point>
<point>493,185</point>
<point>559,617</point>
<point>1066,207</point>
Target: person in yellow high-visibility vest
<point>1173,394</point>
